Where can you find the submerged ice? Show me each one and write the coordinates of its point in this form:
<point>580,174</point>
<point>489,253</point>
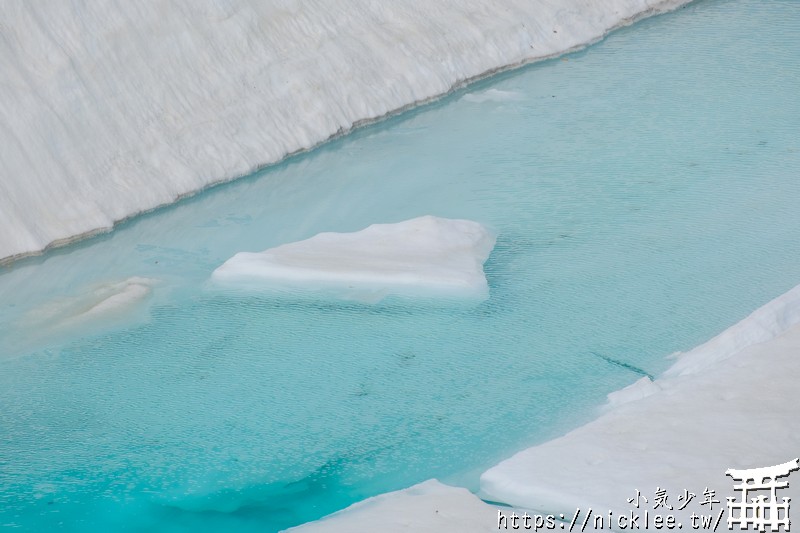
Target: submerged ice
<point>91,309</point>
<point>421,256</point>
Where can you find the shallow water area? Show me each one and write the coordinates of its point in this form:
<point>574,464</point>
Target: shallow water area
<point>644,193</point>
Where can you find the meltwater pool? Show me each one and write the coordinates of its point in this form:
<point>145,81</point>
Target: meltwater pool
<point>645,195</point>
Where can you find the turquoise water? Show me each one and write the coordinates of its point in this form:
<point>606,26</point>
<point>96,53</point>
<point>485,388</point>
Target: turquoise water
<point>645,194</point>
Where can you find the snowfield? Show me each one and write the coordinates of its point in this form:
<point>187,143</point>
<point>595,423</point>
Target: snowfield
<point>109,109</point>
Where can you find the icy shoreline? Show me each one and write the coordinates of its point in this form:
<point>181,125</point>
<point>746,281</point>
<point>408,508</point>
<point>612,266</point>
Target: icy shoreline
<point>680,432</point>
<point>111,110</point>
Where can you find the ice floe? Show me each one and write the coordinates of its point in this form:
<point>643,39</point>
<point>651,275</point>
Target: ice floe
<point>418,257</point>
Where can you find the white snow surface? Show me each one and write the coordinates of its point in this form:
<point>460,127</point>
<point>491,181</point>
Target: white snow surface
<point>111,108</point>
<point>430,507</point>
<point>417,257</point>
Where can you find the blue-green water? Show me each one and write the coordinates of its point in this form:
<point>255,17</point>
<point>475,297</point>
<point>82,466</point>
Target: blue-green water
<point>645,192</point>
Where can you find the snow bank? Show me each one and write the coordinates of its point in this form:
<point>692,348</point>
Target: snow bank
<point>110,108</point>
<point>429,507</point>
<point>425,255</point>
<point>729,403</point>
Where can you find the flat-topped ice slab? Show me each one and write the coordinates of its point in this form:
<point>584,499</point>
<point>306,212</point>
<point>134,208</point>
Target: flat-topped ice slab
<point>418,257</point>
<point>429,507</point>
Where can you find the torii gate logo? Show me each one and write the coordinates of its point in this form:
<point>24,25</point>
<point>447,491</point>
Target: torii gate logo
<point>755,508</point>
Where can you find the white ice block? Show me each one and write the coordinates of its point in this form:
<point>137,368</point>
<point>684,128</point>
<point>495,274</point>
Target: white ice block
<point>419,257</point>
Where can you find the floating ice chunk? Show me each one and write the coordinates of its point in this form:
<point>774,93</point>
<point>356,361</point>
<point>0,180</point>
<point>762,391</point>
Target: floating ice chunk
<point>95,308</point>
<point>418,257</point>
<point>430,507</point>
<point>493,95</point>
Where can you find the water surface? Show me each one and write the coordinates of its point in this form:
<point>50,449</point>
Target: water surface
<point>645,194</point>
